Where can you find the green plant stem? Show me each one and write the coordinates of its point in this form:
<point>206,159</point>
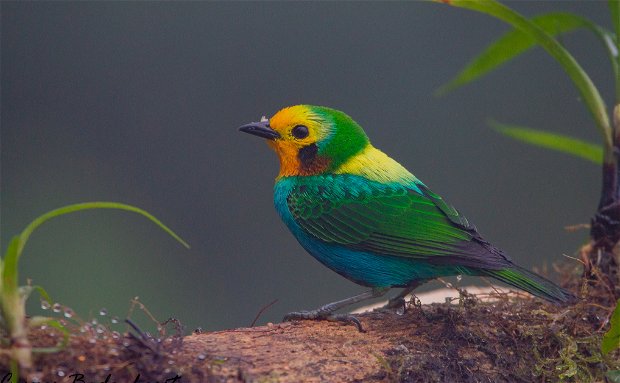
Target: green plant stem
<point>88,206</point>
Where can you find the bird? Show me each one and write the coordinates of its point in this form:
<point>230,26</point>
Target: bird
<point>365,216</point>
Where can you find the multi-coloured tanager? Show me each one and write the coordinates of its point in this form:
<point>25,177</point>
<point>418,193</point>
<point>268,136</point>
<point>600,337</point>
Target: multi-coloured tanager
<point>363,215</point>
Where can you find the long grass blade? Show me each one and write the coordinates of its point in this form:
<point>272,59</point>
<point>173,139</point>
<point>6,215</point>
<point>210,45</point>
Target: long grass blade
<point>88,206</point>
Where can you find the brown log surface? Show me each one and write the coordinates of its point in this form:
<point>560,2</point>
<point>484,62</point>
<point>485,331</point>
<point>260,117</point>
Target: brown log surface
<point>431,343</point>
<point>470,340</point>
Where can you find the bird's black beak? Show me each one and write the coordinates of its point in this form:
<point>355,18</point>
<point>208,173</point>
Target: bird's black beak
<point>261,129</point>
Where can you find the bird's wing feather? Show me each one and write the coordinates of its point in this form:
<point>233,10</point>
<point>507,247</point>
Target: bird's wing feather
<point>389,219</point>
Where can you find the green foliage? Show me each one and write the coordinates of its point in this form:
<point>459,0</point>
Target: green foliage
<point>553,141</point>
<point>611,339</point>
<point>540,31</point>
<point>576,355</point>
<point>13,297</point>
<point>515,42</point>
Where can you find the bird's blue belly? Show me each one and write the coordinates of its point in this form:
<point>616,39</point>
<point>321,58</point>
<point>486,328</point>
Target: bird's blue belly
<point>370,269</point>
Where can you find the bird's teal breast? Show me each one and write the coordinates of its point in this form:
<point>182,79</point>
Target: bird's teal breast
<point>362,267</point>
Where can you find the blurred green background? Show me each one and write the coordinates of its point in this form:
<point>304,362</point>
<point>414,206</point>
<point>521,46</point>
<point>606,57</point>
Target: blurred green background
<point>139,102</point>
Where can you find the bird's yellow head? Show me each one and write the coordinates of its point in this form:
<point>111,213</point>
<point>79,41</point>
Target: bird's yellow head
<point>310,139</point>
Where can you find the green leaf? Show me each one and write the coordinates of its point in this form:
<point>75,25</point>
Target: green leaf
<point>613,376</point>
<point>516,42</point>
<point>25,291</point>
<point>553,141</point>
<point>611,339</point>
<point>44,295</point>
<point>582,81</point>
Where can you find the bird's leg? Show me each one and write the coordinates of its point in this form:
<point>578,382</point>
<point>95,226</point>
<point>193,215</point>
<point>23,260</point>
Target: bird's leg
<point>326,312</point>
<point>399,300</point>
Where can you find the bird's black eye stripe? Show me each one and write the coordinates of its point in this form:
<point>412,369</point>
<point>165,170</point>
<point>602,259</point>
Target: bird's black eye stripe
<point>307,155</point>
<point>300,131</point>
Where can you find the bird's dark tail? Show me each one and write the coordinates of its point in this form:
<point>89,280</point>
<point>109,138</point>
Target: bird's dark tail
<point>532,283</point>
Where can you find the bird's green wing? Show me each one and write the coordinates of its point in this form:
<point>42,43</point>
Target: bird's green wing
<point>388,219</point>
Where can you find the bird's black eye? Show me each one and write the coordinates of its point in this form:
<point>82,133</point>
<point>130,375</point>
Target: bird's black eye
<point>300,131</point>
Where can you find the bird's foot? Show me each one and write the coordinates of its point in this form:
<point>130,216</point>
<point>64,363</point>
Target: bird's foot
<point>324,315</point>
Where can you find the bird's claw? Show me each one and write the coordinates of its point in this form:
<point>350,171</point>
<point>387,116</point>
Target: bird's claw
<point>319,315</point>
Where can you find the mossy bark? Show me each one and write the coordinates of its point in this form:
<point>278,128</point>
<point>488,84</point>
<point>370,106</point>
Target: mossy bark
<point>507,340</point>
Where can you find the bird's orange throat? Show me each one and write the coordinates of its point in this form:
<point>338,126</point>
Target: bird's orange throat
<point>298,161</point>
